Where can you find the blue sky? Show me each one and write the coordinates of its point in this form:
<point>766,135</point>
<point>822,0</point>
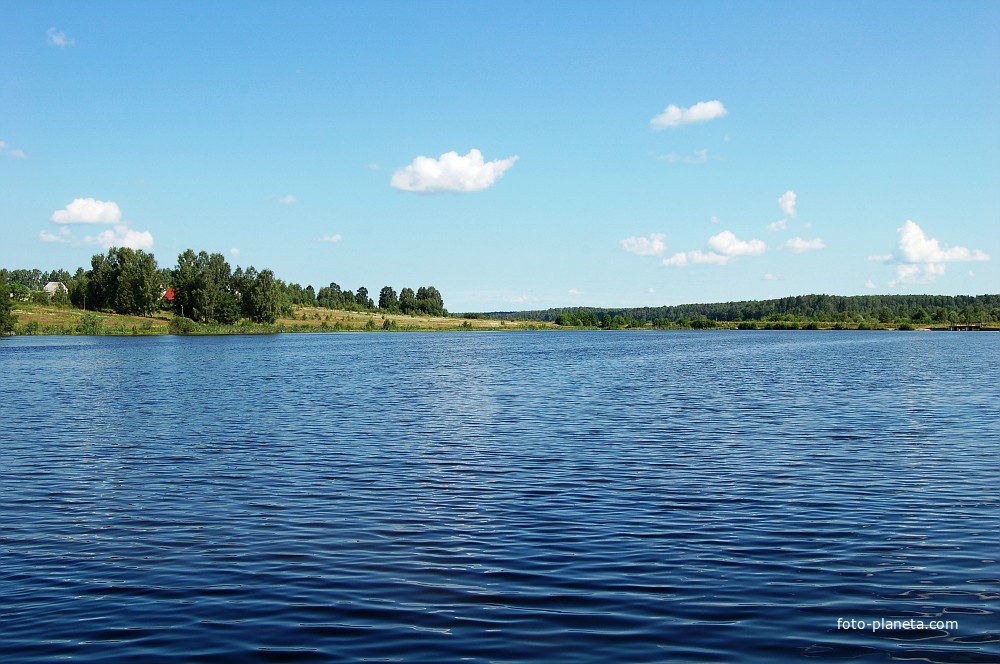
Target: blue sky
<point>516,155</point>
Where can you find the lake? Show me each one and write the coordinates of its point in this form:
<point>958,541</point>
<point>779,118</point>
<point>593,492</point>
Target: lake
<point>509,496</point>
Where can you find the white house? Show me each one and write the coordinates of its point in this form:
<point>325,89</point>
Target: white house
<point>54,287</point>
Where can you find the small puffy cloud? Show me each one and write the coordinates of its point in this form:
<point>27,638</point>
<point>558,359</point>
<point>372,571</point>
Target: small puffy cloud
<point>725,246</point>
<point>798,245</point>
<point>870,284</point>
<point>574,291</point>
<point>768,277</point>
<point>728,244</point>
<point>58,38</point>
<point>88,211</point>
<point>331,238</point>
<point>696,157</point>
<point>714,219</point>
<point>677,260</point>
<point>288,200</point>
<point>696,257</point>
<point>517,299</point>
<point>451,172</point>
<point>374,166</point>
<point>707,257</point>
<point>235,251</point>
<point>654,245</point>
<point>880,258</point>
<point>787,203</point>
<point>674,116</point>
<point>779,225</point>
<point>18,154</point>
<point>122,236</point>
<point>62,237</point>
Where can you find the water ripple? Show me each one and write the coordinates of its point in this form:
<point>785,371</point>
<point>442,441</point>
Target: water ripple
<point>500,497</point>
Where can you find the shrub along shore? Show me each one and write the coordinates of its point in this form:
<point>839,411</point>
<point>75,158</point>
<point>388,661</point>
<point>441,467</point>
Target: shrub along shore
<point>48,319</point>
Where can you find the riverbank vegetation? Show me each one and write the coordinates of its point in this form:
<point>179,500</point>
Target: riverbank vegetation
<point>125,292</point>
<point>799,312</point>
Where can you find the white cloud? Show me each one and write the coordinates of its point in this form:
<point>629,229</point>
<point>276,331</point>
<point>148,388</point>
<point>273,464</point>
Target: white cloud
<point>787,202</point>
<point>451,172</point>
<point>122,236</point>
<point>696,157</point>
<point>714,219</point>
<point>650,290</point>
<point>881,259</point>
<point>870,284</point>
<point>779,225</point>
<point>707,257</point>
<point>768,277</point>
<point>88,211</point>
<point>921,259</point>
<point>18,154</point>
<point>916,247</point>
<point>58,38</point>
<point>519,299</point>
<point>697,257</point>
<point>798,245</point>
<point>374,166</point>
<point>642,246</point>
<point>288,200</point>
<point>574,291</point>
<point>331,238</point>
<point>62,237</point>
<point>728,244</point>
<point>725,245</point>
<point>3,145</point>
<point>235,251</point>
<point>674,116</point>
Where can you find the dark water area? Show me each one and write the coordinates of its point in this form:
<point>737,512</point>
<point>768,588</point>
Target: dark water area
<point>554,496</point>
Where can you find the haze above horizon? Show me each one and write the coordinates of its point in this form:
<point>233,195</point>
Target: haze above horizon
<point>514,155</point>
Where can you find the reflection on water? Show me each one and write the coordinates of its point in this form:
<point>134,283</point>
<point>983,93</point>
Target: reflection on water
<point>578,496</point>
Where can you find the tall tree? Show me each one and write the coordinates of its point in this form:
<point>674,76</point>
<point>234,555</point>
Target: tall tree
<point>387,299</point>
<point>8,321</point>
<point>265,297</point>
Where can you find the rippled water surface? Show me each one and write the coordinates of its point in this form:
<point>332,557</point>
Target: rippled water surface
<point>562,496</point>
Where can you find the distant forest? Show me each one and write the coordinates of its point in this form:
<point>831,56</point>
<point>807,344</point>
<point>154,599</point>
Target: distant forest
<point>882,309</point>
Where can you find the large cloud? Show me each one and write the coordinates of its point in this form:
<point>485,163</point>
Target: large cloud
<point>451,172</point>
<point>674,116</point>
<point>93,211</point>
<point>916,247</point>
<point>88,211</point>
<point>921,259</point>
<point>654,245</point>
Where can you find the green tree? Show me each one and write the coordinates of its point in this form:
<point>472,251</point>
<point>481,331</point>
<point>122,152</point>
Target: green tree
<point>429,301</point>
<point>265,298</point>
<point>407,301</point>
<point>387,300</point>
<point>8,321</point>
<point>363,300</point>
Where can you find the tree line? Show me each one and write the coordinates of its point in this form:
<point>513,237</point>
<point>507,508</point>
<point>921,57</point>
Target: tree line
<point>200,286</point>
<point>920,309</point>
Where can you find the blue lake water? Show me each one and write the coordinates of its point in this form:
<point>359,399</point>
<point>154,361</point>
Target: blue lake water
<point>552,496</point>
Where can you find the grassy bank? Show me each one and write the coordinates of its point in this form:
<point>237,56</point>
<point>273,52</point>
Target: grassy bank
<point>44,319</point>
